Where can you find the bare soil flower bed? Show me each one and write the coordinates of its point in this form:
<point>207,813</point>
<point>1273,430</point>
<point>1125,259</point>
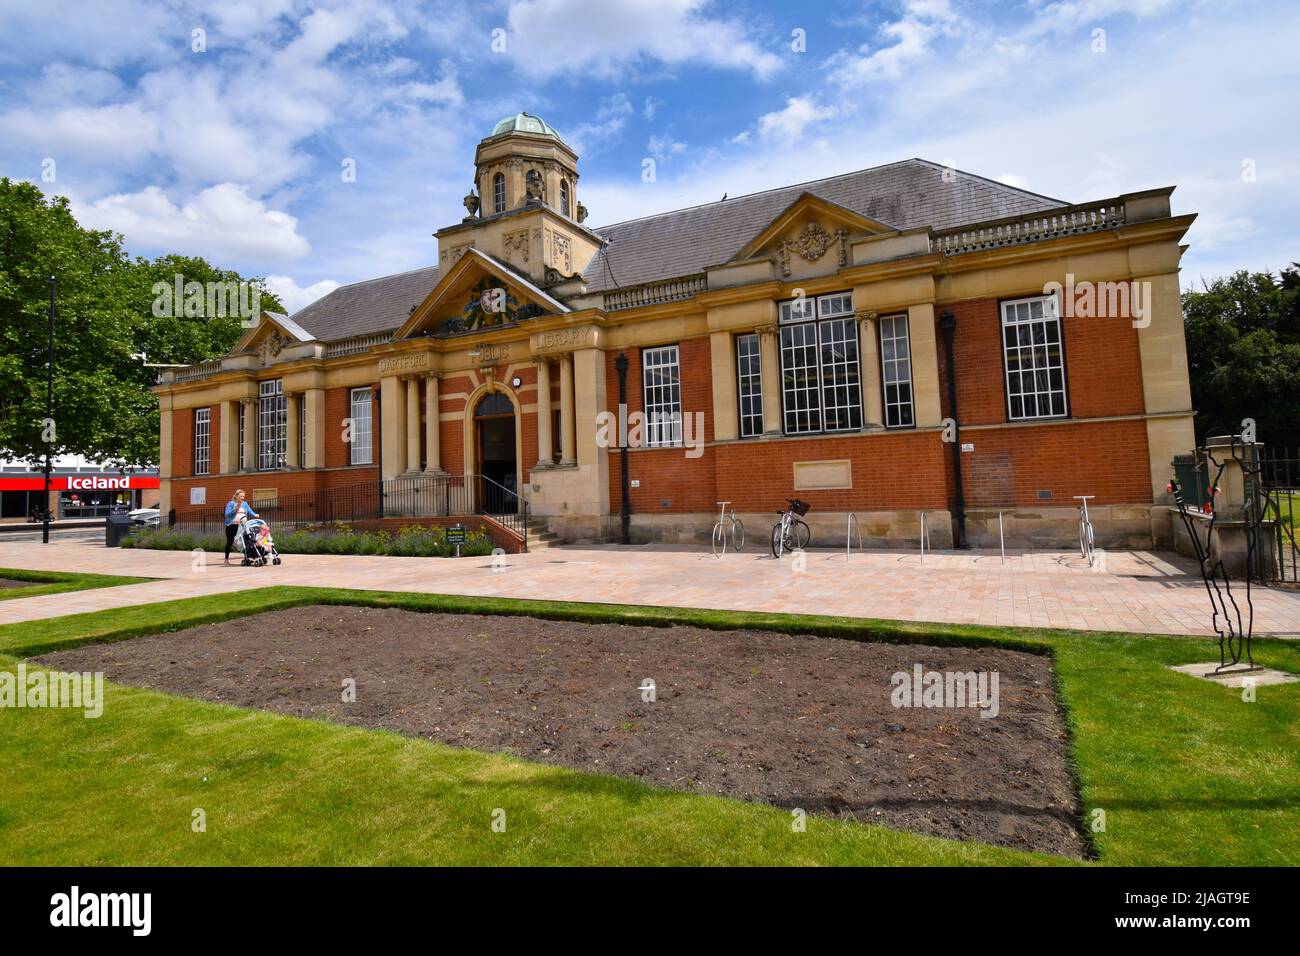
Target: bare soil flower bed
<point>795,721</point>
<point>11,583</point>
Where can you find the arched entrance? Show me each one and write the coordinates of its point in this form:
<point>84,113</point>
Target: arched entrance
<point>494,434</point>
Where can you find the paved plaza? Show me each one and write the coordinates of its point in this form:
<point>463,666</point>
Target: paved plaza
<point>1151,592</point>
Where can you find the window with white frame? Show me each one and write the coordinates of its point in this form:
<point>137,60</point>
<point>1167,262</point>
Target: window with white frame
<point>821,385</point>
<point>1035,361</point>
<point>202,440</point>
<point>564,196</point>
<point>499,193</point>
<point>749,375</point>
<point>896,371</point>
<point>661,377</point>
<point>240,442</point>
<point>272,422</point>
<point>362,447</point>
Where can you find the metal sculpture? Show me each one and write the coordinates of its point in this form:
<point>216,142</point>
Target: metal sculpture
<point>1235,634</point>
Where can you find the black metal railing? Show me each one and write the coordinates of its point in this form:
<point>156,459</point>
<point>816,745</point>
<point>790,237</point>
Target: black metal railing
<point>427,496</point>
<point>345,503</point>
<point>1279,472</point>
<point>418,496</point>
<point>502,505</point>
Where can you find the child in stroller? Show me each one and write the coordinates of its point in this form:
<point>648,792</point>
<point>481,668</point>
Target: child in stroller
<point>256,543</point>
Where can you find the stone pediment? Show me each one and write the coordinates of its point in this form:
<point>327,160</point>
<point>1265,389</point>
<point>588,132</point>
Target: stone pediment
<point>477,294</point>
<point>269,336</point>
<point>810,237</point>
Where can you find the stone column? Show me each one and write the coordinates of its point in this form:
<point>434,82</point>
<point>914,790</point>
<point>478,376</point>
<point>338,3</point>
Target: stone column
<point>164,459</point>
<point>873,403</point>
<point>771,365</point>
<point>432,426</point>
<point>412,383</point>
<point>568,455</point>
<point>250,434</point>
<point>726,415</point>
<point>314,407</point>
<point>925,364</point>
<point>293,429</point>
<point>392,422</point>
<point>229,437</point>
<point>545,445</point>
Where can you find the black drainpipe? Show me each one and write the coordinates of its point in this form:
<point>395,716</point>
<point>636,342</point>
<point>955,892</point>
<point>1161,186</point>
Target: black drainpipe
<point>948,325</point>
<point>625,511</point>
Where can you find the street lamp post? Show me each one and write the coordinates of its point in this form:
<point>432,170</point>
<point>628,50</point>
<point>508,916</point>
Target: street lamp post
<point>625,510</point>
<point>49,414</point>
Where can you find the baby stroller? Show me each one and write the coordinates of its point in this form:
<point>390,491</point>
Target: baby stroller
<point>254,539</point>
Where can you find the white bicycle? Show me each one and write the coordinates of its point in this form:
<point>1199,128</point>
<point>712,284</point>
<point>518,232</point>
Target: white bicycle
<point>728,523</point>
<point>1086,547</point>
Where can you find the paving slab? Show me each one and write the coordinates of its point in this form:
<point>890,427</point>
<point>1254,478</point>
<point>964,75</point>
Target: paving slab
<point>1141,591</point>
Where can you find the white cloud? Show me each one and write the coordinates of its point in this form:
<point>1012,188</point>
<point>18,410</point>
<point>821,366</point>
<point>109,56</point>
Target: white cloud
<point>123,131</point>
<point>221,223</point>
<point>294,296</point>
<point>1011,179</point>
<point>606,39</point>
<point>662,147</point>
<point>652,104</point>
<point>907,40</point>
<point>788,124</point>
<point>611,117</point>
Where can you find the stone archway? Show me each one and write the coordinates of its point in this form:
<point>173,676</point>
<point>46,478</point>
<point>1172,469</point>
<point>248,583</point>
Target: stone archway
<point>492,412</point>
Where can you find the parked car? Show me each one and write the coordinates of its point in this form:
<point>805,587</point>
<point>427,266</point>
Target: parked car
<point>145,517</point>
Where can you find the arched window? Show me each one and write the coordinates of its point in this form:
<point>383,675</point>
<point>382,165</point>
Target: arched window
<point>564,196</point>
<point>493,404</point>
<point>499,193</point>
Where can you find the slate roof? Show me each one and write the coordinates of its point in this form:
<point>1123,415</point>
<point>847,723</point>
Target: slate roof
<point>363,308</point>
<point>903,195</point>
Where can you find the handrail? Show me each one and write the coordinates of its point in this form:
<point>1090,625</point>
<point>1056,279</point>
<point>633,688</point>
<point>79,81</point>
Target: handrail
<point>516,521</point>
<point>1002,541</point>
<point>925,536</point>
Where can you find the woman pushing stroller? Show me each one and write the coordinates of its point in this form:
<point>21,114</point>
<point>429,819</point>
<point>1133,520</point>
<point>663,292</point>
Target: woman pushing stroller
<point>237,510</point>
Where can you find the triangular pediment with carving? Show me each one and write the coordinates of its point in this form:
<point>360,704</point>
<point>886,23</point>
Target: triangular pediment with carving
<point>810,237</point>
<point>269,336</point>
<point>478,294</point>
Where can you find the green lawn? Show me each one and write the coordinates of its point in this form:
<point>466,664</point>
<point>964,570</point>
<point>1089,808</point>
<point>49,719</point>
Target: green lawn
<point>56,582</point>
<point>1186,772</point>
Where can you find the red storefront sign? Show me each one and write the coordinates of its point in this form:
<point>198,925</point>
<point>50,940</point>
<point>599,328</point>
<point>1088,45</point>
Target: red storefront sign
<point>81,483</point>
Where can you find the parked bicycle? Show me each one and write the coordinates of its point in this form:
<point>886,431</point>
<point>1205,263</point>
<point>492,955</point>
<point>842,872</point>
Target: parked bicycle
<point>791,533</point>
<point>728,523</point>
<point>1086,548</point>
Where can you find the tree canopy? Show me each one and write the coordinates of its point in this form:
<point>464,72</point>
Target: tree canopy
<point>104,320</point>
<point>1243,348</point>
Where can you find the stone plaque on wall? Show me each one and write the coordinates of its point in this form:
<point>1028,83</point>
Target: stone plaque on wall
<point>817,475</point>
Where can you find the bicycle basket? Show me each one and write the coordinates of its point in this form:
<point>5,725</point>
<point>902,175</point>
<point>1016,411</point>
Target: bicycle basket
<point>799,507</point>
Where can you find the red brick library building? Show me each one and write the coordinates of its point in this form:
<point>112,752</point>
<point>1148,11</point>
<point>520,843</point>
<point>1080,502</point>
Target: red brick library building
<point>854,342</point>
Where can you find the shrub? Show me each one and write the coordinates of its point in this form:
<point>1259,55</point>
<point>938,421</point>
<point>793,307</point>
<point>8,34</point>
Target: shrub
<point>412,541</point>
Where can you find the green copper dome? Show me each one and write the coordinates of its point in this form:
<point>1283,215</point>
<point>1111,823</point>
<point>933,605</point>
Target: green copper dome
<point>523,123</point>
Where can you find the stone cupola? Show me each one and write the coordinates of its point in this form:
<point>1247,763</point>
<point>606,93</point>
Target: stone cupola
<point>524,162</point>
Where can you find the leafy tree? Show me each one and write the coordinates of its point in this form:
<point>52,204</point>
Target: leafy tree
<point>104,320</point>
<point>1243,348</point>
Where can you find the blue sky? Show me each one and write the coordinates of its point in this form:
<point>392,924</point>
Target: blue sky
<point>236,152</point>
